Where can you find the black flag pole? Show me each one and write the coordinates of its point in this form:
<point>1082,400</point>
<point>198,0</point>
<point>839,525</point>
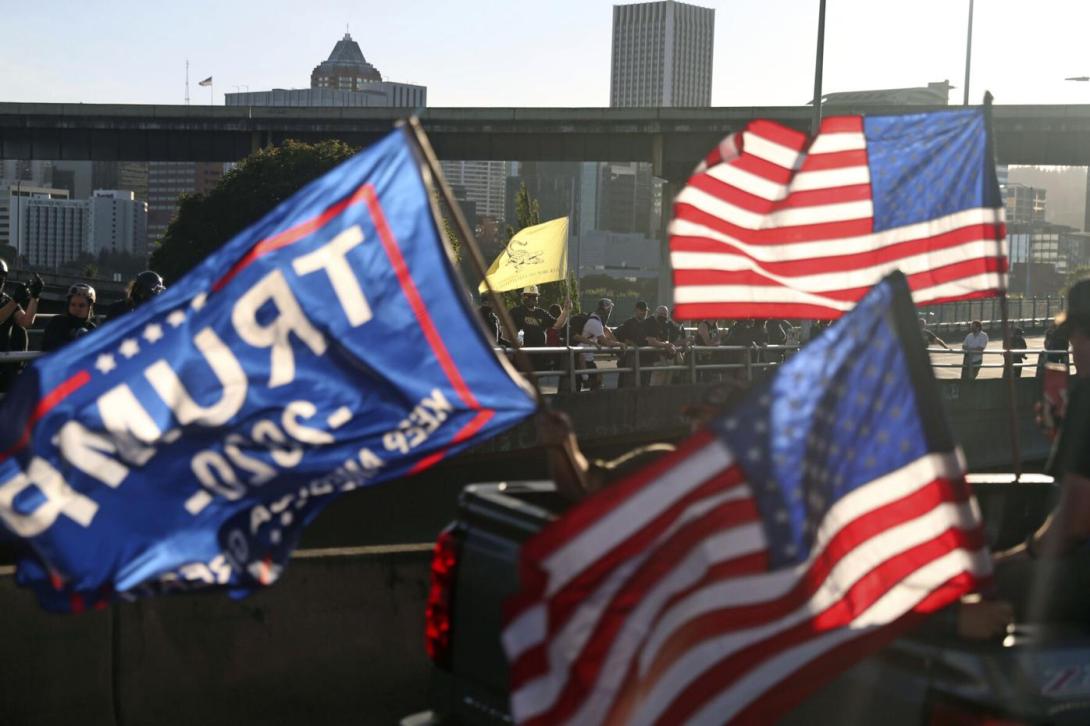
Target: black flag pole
<point>420,139</point>
<point>1009,371</point>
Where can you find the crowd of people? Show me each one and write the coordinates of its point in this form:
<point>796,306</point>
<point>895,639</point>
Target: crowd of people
<point>662,342</point>
<point>19,311</point>
<point>745,343</point>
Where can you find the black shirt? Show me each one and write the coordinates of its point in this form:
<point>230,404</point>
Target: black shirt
<point>63,329</point>
<point>533,324</point>
<point>7,325</point>
<point>1070,453</point>
<point>119,308</point>
<point>632,331</point>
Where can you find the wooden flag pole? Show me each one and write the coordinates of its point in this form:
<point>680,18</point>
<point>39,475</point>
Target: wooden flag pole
<point>1008,359</point>
<point>522,361</point>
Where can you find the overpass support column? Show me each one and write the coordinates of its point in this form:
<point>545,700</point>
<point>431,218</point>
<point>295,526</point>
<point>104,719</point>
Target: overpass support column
<point>260,140</point>
<point>666,280</point>
<point>658,156</point>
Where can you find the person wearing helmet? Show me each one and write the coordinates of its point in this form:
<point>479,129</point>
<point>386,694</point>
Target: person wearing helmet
<point>144,287</point>
<point>77,320</point>
<point>534,321</point>
<point>17,313</point>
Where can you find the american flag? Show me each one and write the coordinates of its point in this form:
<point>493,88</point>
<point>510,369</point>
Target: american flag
<point>729,579</point>
<point>774,225</point>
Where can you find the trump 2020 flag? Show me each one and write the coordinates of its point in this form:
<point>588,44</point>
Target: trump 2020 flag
<point>776,225</point>
<point>327,347</point>
<point>796,534</point>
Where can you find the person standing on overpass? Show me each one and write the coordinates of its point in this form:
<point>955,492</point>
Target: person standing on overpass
<point>975,343</point>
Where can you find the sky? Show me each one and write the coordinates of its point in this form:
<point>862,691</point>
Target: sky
<point>550,53</point>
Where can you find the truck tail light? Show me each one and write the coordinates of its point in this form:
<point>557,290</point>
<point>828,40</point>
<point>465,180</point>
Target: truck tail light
<point>438,616</point>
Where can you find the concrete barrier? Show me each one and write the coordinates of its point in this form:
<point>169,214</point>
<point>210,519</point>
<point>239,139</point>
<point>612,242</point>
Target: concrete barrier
<point>977,411</point>
<point>339,640</point>
<point>979,416</point>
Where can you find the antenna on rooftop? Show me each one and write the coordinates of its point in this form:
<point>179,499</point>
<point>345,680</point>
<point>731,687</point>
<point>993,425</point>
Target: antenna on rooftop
<point>186,81</point>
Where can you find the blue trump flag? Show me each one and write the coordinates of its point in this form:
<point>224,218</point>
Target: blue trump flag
<point>329,346</point>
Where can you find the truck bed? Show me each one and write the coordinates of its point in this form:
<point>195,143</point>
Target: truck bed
<point>1011,678</point>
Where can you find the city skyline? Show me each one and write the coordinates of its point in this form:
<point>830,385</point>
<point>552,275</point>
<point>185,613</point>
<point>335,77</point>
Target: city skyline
<point>490,53</point>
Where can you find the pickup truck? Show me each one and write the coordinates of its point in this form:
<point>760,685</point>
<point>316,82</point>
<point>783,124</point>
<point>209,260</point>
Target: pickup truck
<point>1039,673</point>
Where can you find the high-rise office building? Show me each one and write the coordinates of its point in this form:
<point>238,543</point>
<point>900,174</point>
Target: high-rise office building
<point>49,229</point>
<point>662,55</point>
<point>54,231</point>
<point>14,198</point>
<point>167,181</point>
<point>118,222</point>
<point>484,182</point>
<point>345,68</point>
<point>1025,205</point>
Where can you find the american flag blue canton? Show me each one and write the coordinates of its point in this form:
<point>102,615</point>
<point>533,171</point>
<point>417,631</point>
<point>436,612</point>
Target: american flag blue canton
<point>927,166</point>
<point>840,414</point>
<point>328,347</point>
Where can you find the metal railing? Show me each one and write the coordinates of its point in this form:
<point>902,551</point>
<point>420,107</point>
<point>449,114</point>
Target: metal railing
<point>1029,312</point>
<point>746,361</point>
<point>750,361</point>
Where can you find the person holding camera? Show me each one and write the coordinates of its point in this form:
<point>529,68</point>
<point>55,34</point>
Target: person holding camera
<point>17,313</point>
<point>77,320</point>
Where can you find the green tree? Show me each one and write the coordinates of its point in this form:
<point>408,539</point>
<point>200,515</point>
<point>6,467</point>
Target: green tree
<point>264,179</point>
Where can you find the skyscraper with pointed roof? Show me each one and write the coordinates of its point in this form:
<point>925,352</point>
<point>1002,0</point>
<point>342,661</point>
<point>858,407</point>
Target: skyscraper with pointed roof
<point>346,68</point>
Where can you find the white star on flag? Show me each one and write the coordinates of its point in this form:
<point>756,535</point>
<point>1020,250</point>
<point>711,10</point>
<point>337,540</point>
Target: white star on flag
<point>129,348</point>
<point>105,363</point>
<point>153,333</point>
<point>198,302</point>
<point>176,318</point>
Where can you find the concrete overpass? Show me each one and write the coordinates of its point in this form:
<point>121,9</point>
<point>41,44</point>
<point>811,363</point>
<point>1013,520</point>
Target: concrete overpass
<point>671,138</point>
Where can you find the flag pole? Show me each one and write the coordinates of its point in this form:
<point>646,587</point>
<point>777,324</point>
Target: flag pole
<point>815,123</point>
<point>420,139</point>
<point>1008,357</point>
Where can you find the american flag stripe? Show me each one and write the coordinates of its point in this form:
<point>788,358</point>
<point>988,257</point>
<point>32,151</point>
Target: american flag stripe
<point>953,571</point>
<point>727,207</point>
<point>709,269</point>
<point>552,697</point>
<point>568,564</point>
<point>733,508</point>
<point>812,205</point>
<point>767,179</point>
<point>851,581</point>
<point>747,643</point>
<point>698,301</point>
<point>694,237</point>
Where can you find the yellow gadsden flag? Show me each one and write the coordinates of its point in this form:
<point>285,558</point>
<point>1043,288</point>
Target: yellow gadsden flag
<point>534,255</point>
